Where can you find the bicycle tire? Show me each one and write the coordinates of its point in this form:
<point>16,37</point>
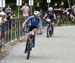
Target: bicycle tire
<point>28,54</point>
<point>48,32</point>
<point>29,48</point>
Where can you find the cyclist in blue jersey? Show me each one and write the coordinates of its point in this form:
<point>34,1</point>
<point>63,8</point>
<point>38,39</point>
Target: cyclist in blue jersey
<point>34,22</point>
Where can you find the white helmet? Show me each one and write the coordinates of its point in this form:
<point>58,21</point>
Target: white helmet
<point>36,13</point>
<point>50,9</point>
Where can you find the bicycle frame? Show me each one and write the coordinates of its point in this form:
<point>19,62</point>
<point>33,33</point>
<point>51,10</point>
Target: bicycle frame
<point>29,45</point>
<point>49,30</point>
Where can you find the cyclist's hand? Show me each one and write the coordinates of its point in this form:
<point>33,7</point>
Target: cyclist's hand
<point>48,20</point>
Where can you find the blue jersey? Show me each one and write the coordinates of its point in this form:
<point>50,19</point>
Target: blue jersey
<point>32,21</point>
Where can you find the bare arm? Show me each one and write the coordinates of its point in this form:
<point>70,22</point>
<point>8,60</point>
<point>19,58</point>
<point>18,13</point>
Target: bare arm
<point>54,16</point>
<point>45,16</point>
<point>24,23</point>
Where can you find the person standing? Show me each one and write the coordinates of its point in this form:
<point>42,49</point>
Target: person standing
<point>38,8</point>
<point>9,13</point>
<point>25,9</point>
<point>2,28</point>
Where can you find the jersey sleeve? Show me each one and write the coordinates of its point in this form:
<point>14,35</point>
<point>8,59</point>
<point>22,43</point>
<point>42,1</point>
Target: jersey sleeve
<point>29,18</point>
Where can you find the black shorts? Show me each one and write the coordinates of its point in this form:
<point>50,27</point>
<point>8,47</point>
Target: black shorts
<point>32,27</point>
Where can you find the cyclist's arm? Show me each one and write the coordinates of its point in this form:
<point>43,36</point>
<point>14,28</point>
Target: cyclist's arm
<point>45,16</point>
<point>54,16</point>
<point>22,8</point>
<point>5,18</point>
<point>28,10</point>
<point>24,23</point>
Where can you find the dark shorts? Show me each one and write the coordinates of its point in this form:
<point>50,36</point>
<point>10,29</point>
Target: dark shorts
<point>32,27</point>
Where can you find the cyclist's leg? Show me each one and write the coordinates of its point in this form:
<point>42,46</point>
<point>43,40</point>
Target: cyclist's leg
<point>33,30</point>
<point>52,25</point>
<point>40,27</point>
<point>33,41</point>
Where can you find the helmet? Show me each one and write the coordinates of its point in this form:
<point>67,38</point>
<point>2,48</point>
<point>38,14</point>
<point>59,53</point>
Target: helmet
<point>50,9</point>
<point>36,13</point>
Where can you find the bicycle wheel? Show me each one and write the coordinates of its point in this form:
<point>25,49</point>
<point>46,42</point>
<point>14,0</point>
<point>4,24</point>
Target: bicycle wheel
<point>48,32</point>
<point>28,54</point>
<point>29,48</point>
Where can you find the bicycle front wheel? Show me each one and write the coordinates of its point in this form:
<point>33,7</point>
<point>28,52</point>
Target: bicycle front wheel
<point>28,54</point>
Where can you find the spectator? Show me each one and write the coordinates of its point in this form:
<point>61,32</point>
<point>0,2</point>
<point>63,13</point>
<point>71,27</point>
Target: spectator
<point>61,7</point>
<point>25,9</point>
<point>56,7</point>
<point>73,10</point>
<point>8,9</point>
<point>9,13</point>
<point>2,27</point>
<point>59,11</point>
<point>38,8</point>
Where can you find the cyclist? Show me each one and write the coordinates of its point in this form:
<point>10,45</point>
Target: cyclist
<point>70,14</point>
<point>51,16</point>
<point>34,22</point>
